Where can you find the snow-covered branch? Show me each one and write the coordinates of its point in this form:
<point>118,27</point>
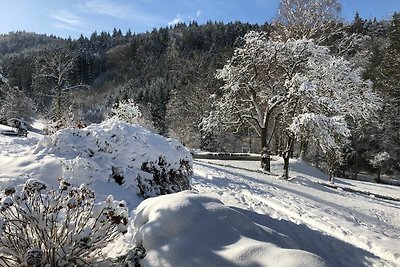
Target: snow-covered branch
<point>266,78</point>
<point>64,227</point>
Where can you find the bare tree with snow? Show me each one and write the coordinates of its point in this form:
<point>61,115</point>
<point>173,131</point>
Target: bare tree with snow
<point>319,20</point>
<point>323,95</point>
<point>307,18</point>
<point>13,102</point>
<point>3,79</point>
<point>252,91</point>
<point>266,79</point>
<point>16,104</point>
<point>53,72</point>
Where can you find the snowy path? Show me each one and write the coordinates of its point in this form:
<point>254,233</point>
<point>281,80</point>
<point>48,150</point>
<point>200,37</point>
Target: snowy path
<point>346,229</point>
<point>17,161</point>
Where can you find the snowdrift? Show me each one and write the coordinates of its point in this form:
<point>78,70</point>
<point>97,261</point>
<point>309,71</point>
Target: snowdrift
<point>124,153</point>
<point>187,229</point>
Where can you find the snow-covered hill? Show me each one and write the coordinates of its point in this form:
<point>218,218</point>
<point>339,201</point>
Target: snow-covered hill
<point>237,217</point>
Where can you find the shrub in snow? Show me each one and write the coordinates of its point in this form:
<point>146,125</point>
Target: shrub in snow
<point>187,229</point>
<point>71,118</point>
<point>128,111</point>
<point>132,258</point>
<point>64,227</point>
<point>379,161</point>
<point>124,153</point>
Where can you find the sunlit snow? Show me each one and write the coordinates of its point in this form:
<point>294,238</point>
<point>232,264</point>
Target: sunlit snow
<point>236,217</point>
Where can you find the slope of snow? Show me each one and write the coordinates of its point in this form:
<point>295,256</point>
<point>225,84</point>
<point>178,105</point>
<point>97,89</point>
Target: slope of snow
<point>345,229</point>
<point>300,170</point>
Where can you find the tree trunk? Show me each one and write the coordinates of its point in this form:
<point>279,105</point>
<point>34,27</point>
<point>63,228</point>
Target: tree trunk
<point>286,156</point>
<point>344,169</point>
<point>378,178</point>
<point>291,149</point>
<point>303,149</point>
<point>265,159</point>
<point>331,172</point>
<point>356,167</point>
<point>58,111</point>
<point>286,166</point>
<point>331,175</point>
<point>265,153</point>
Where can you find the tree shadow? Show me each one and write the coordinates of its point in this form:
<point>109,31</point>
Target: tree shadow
<point>278,184</point>
<point>174,242</point>
<point>334,251</point>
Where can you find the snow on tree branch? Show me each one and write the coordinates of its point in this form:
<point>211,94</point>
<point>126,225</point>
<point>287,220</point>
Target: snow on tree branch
<point>64,227</point>
<point>266,78</point>
<point>380,159</point>
<point>127,111</point>
<point>328,132</point>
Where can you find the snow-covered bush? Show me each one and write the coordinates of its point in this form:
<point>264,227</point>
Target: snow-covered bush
<point>128,111</point>
<point>71,117</point>
<point>64,227</point>
<point>132,258</point>
<point>380,161</point>
<point>123,153</point>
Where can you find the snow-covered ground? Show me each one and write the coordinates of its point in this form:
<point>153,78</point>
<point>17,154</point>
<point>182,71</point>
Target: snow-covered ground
<point>261,211</point>
<point>346,229</point>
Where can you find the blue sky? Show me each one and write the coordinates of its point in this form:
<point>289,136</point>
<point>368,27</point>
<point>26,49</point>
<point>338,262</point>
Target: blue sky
<point>72,17</point>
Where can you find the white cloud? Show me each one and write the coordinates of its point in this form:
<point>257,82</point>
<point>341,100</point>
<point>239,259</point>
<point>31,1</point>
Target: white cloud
<point>176,20</point>
<point>129,12</point>
<point>66,19</point>
<point>65,16</point>
<point>111,9</point>
<point>180,18</point>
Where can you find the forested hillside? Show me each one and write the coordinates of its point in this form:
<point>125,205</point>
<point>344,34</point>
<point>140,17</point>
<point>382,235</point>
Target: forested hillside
<point>170,73</point>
